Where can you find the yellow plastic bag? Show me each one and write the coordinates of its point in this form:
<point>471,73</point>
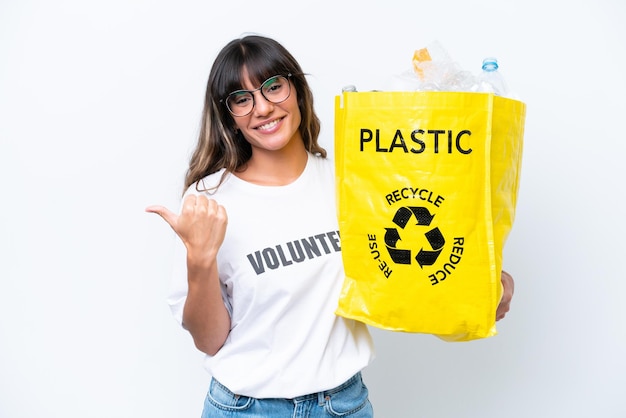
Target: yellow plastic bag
<point>427,185</point>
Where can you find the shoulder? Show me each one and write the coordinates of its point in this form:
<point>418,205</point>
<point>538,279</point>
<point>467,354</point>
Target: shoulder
<point>323,164</point>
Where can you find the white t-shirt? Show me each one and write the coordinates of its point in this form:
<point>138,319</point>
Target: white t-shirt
<point>281,273</point>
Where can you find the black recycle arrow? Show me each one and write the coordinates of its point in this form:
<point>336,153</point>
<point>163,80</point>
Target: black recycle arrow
<point>436,240</point>
<point>397,255</point>
<point>422,216</point>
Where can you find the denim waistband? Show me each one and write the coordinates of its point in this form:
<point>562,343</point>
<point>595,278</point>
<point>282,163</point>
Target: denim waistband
<point>323,394</point>
<point>320,396</point>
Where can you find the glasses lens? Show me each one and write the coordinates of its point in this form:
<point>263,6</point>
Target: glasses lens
<point>240,103</point>
<point>276,89</point>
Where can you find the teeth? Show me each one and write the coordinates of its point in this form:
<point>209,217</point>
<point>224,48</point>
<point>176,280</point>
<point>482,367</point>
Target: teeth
<point>268,125</point>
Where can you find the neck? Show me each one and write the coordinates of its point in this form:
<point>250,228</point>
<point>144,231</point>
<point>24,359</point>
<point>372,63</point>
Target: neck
<point>275,168</point>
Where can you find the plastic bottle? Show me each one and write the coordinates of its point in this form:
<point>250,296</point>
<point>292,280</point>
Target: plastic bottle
<point>491,80</point>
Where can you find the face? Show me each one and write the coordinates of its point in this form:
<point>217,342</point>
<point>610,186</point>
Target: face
<point>270,126</point>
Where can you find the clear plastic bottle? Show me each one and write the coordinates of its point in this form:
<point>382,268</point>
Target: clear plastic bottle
<point>491,80</point>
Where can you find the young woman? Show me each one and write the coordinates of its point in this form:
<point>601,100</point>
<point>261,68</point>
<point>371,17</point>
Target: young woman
<point>259,296</point>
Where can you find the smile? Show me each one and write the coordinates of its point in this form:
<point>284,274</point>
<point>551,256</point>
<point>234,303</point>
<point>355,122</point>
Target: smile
<point>269,125</point>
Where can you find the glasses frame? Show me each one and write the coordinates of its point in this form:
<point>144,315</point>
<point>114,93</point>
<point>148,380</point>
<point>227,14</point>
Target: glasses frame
<point>260,89</point>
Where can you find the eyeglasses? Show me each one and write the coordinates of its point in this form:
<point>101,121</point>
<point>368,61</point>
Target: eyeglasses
<point>275,90</point>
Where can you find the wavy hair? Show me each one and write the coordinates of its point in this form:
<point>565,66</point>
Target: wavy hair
<point>220,145</point>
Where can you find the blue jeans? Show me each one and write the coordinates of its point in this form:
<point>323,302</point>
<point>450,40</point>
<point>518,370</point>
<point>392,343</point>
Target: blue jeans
<point>349,400</point>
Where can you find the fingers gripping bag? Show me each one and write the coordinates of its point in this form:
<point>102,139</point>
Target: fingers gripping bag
<point>427,185</point>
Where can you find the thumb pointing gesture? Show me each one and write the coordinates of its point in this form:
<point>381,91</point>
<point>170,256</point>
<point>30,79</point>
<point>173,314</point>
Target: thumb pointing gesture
<point>170,217</point>
<point>201,224</point>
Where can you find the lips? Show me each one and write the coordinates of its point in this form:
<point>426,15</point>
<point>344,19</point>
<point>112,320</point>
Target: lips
<point>269,125</point>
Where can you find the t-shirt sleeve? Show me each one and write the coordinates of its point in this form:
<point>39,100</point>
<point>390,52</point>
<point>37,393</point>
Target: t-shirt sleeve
<point>178,286</point>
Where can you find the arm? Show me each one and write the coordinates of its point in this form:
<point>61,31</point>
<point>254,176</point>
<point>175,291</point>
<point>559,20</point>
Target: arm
<point>204,314</point>
<point>201,226</point>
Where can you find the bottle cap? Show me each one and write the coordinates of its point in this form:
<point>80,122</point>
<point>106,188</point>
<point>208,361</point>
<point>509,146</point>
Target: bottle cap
<point>490,64</point>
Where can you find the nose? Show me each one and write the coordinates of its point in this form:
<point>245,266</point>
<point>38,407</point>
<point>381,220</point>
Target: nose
<point>262,106</point>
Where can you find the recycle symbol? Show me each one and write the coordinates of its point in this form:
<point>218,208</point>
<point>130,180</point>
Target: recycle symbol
<point>424,257</point>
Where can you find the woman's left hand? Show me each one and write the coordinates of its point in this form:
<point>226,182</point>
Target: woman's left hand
<point>508,286</point>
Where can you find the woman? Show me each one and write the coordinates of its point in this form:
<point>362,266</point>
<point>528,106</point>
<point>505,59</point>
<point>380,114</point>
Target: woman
<point>259,296</point>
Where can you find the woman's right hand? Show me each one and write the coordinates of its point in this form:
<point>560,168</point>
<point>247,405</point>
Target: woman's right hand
<point>201,226</point>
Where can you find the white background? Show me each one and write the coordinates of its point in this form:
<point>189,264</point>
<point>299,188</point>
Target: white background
<point>100,104</point>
